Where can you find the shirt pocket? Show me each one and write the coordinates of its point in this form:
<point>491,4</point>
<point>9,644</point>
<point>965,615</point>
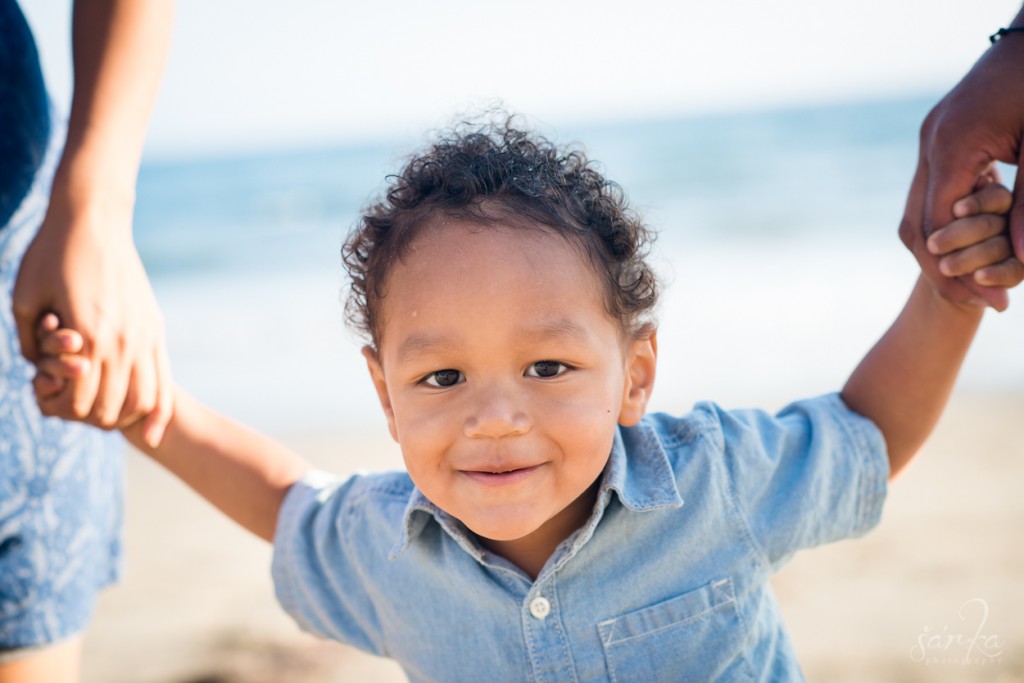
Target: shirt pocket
<point>697,636</point>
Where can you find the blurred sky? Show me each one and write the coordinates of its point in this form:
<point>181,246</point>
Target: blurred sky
<point>254,74</point>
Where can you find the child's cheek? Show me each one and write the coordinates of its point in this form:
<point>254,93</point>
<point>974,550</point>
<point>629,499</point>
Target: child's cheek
<point>426,427</point>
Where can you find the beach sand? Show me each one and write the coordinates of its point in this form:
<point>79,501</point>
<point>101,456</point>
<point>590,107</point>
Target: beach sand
<point>940,581</point>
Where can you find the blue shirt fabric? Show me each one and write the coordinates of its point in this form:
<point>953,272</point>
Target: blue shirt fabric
<point>667,581</point>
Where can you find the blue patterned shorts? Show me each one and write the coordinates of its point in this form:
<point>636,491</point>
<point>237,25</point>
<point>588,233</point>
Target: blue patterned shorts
<point>60,482</point>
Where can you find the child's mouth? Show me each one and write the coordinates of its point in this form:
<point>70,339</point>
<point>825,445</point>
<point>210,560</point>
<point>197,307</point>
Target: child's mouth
<point>499,478</point>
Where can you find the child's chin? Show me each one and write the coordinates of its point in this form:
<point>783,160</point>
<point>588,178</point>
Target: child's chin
<point>503,537</point>
<point>501,532</point>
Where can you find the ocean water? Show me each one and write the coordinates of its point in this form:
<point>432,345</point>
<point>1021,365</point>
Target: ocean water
<point>777,242</point>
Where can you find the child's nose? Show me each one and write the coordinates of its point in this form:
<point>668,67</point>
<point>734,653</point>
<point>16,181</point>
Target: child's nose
<point>497,412</point>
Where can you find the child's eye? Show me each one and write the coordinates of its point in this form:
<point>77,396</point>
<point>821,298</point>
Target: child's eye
<point>547,368</point>
<point>443,378</point>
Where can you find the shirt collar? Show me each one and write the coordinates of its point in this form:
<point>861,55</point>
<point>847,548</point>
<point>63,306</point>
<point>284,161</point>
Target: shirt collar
<point>643,480</point>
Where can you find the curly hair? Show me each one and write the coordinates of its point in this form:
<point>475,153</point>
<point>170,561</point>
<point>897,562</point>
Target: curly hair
<point>486,172</point>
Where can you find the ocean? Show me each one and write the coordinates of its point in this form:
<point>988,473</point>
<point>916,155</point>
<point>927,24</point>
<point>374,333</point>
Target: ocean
<point>777,243</point>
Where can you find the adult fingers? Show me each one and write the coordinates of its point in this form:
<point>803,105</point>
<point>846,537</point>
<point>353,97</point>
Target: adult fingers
<point>26,318</point>
<point>77,401</point>
<point>912,235</point>
<point>27,311</point>
<point>957,160</point>
<point>157,420</point>
<point>911,229</point>
<point>112,390</point>
<point>142,395</point>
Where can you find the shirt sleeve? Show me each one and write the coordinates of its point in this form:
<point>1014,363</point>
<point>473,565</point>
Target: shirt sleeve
<point>315,577</point>
<point>813,473</point>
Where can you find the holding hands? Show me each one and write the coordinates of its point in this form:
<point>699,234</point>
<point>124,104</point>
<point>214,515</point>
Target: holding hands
<point>976,245</point>
<point>979,122</point>
<point>64,362</point>
<point>80,267</point>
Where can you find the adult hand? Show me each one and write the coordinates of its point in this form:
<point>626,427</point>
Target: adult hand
<point>83,266</point>
<point>979,122</point>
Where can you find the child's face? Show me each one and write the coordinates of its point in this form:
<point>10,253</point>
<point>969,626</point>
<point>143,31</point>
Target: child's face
<point>503,377</point>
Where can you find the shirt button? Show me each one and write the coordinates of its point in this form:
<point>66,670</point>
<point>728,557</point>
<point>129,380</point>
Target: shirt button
<point>540,607</point>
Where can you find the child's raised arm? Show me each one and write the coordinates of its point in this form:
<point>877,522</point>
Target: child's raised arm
<point>243,473</point>
<point>904,382</point>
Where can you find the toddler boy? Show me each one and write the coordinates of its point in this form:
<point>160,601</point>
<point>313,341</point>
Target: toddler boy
<point>546,529</point>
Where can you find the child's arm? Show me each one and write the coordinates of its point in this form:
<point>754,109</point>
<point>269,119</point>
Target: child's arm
<point>904,382</point>
<point>241,472</point>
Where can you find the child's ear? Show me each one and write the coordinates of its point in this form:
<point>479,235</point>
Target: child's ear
<point>377,375</point>
<point>641,363</point>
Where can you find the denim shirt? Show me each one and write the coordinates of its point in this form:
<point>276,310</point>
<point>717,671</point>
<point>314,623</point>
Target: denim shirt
<point>24,110</point>
<point>667,581</point>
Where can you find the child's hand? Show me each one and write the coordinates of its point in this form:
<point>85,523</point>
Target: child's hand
<point>60,359</point>
<point>977,243</point>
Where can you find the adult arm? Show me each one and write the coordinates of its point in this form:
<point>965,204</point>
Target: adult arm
<point>83,264</point>
<point>979,122</point>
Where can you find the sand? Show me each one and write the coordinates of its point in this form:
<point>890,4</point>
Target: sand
<point>935,593</point>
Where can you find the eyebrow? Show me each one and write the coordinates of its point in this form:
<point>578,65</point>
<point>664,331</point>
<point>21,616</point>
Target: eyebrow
<point>555,328</point>
<point>421,344</point>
